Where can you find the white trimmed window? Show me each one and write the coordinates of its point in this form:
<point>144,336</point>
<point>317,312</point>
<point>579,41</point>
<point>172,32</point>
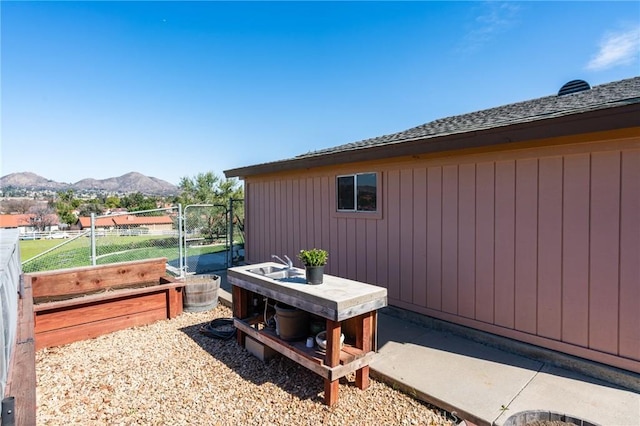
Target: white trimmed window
<point>357,192</point>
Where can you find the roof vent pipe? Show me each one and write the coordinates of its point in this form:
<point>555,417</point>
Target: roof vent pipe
<point>574,86</point>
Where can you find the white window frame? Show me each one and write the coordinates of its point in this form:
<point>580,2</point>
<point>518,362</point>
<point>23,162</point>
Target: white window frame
<point>355,193</point>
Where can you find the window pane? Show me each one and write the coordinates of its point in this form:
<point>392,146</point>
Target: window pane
<point>367,192</point>
<point>346,193</point>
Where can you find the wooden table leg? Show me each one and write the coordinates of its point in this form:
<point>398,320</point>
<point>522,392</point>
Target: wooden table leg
<point>240,309</point>
<point>332,359</point>
<point>364,337</point>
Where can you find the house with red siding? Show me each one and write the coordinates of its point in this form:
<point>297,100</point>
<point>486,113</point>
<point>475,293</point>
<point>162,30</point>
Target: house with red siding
<point>521,220</point>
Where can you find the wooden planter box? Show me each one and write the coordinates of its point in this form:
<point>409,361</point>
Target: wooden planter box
<point>82,303</point>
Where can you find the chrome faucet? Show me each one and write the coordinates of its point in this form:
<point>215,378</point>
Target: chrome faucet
<point>289,263</point>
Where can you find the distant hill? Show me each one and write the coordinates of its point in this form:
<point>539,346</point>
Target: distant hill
<point>128,183</point>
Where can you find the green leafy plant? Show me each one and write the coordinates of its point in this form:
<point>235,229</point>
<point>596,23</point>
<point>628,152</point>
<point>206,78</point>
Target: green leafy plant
<point>313,257</point>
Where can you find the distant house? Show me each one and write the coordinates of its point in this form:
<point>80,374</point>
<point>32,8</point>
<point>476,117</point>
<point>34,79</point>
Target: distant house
<point>153,223</point>
<point>28,222</point>
<point>21,222</point>
<point>119,222</point>
<point>521,220</point>
<point>117,210</point>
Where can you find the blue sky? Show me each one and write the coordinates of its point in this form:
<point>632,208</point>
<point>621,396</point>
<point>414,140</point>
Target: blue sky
<point>172,89</point>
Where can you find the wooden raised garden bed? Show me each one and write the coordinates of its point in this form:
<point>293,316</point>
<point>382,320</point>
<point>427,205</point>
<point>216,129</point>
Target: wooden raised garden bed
<point>82,303</point>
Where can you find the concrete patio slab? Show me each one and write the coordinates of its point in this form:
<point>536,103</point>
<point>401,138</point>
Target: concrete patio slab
<point>471,379</point>
<point>565,392</point>
<point>486,385</point>
<point>392,329</point>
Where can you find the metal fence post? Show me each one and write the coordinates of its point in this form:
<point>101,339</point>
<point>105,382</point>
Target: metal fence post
<point>233,215</point>
<point>181,248</point>
<point>93,239</point>
<point>184,243</point>
<point>230,252</point>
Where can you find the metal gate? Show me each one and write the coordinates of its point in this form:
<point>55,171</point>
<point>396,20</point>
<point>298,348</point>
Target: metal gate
<point>236,231</point>
<point>213,237</point>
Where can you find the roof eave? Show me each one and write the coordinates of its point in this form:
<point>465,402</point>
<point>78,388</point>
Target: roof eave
<point>611,118</point>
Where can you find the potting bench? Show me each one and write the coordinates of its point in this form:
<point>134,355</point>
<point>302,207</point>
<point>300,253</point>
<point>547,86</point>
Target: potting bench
<point>347,306</point>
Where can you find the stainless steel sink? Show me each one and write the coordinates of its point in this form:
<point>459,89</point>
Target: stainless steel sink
<point>280,273</point>
<point>284,274</point>
<point>266,270</point>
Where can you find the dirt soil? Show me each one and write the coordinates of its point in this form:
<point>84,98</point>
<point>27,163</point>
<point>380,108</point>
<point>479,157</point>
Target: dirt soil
<point>57,298</point>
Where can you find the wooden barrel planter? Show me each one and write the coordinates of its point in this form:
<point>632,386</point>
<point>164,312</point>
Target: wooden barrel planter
<point>201,293</point>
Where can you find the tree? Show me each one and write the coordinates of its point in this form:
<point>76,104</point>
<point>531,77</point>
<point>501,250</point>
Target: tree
<point>42,217</point>
<point>207,188</point>
<point>65,205</point>
<point>66,196</point>
<point>138,202</point>
<point>91,207</point>
<point>18,205</point>
<point>112,202</point>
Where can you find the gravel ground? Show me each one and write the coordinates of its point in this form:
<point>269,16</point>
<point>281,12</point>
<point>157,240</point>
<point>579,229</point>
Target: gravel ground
<point>168,373</point>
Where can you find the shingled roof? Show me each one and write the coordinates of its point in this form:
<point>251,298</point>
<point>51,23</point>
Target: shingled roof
<point>619,94</point>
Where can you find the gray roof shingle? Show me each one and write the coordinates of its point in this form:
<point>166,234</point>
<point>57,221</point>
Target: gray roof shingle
<point>436,135</point>
<point>608,95</point>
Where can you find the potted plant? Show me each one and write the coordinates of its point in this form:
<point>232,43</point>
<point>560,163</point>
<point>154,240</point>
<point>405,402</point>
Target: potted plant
<point>314,261</point>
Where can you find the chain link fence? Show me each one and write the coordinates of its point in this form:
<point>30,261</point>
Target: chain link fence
<point>115,238</point>
<point>213,237</point>
<point>236,232</point>
<point>200,238</point>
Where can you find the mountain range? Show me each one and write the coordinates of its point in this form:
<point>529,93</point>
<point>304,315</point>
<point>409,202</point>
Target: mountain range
<point>127,183</point>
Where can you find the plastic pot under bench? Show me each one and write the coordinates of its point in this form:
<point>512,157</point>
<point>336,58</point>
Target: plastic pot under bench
<point>343,304</point>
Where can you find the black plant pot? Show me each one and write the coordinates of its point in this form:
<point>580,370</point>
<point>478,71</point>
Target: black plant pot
<point>314,274</point>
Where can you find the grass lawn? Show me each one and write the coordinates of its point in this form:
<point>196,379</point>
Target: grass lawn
<point>77,252</point>
<point>31,248</point>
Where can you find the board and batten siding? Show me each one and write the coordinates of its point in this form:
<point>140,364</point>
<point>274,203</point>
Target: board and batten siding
<point>541,244</point>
